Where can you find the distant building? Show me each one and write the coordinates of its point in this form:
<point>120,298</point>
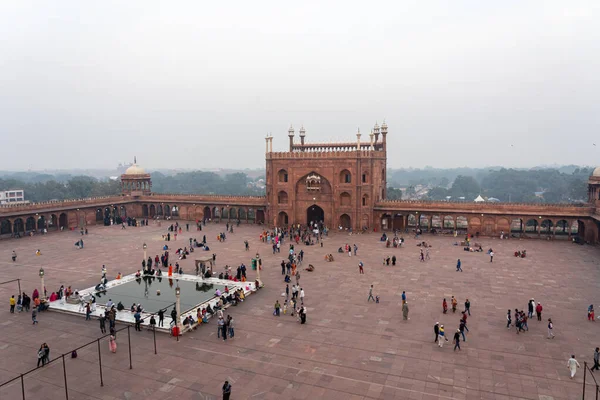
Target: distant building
<point>12,196</point>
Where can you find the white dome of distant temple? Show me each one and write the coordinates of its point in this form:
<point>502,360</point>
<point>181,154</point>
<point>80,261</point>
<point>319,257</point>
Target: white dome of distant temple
<point>135,169</point>
<point>596,172</point>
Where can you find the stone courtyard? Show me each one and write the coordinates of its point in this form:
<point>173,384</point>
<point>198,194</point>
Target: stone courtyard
<point>348,349</point>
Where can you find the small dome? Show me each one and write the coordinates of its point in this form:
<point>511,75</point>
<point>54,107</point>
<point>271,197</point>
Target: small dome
<point>596,172</point>
<point>135,170</point>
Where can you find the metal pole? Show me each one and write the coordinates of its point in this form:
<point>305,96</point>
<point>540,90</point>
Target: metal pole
<point>597,389</point>
<point>19,283</point>
<point>22,387</point>
<point>65,373</point>
<point>154,334</point>
<point>584,374</point>
<point>100,363</point>
<point>129,340</point>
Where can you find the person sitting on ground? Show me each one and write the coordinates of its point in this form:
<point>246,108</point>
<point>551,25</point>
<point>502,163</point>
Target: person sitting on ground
<point>119,275</point>
<point>217,293</point>
<point>120,306</point>
<point>221,275</point>
<point>209,310</point>
<point>138,274</point>
<point>310,268</point>
<point>340,250</point>
<point>133,307</point>
<point>287,279</point>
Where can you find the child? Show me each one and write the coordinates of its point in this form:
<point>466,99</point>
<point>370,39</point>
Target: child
<point>377,299</point>
<point>285,307</point>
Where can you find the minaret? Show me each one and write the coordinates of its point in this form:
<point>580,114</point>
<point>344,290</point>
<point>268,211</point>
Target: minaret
<point>358,140</point>
<point>376,132</point>
<point>384,133</point>
<point>291,135</point>
<point>371,136</point>
<point>302,135</point>
<point>267,144</point>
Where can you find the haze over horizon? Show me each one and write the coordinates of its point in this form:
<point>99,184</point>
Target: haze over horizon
<point>198,85</point>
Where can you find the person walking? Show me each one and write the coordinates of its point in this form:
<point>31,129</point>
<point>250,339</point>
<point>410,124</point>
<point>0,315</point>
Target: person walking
<point>360,267</point>
<point>572,364</point>
<point>301,296</point>
<point>461,328</point>
<point>427,254</point>
<point>41,355</point>
<point>457,340</point>
<point>138,321</point>
<point>454,303</point>
<point>491,256</point>
<point>405,311</point>
<point>277,307</point>
<point>34,316</point>
<point>226,390</point>
<point>436,331</point>
<point>112,343</point>
<point>458,266</point>
<point>467,307</point>
<point>12,303</point>
<point>508,320</point>
<point>538,311</point>
<point>403,297</point>
<point>370,294</point>
<point>550,329</point>
<point>596,366</point>
<point>14,256</point>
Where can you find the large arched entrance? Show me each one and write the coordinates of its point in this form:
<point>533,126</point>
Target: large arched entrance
<point>315,214</point>
<point>345,221</point>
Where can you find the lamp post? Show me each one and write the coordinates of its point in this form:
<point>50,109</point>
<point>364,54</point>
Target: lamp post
<point>178,309</point>
<point>145,247</point>
<point>43,292</point>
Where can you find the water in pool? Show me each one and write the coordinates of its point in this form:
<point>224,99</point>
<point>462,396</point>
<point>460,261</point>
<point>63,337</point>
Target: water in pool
<point>144,291</point>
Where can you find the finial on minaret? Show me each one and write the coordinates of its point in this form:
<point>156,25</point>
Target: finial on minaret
<point>302,135</point>
<point>291,131</point>
<point>291,135</point>
<point>134,159</point>
<point>371,136</point>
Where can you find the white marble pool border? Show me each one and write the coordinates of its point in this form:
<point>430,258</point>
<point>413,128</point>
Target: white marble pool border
<point>126,316</point>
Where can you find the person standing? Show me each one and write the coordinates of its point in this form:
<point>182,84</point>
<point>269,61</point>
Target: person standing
<point>458,266</point>
<point>442,337</point>
<point>276,308</point>
<point>454,303</point>
<point>360,267</point>
<point>41,355</point>
<point>550,329</point>
<point>230,326</point>
<point>102,320</point>
<point>12,302</point>
<point>572,364</point>
<point>538,311</point>
<point>491,256</point>
<point>34,316</point>
<point>88,311</point>
<point>405,311</point>
<point>301,296</point>
<point>596,366</point>
<point>220,324</point>
<point>403,297</point>
<point>444,306</point>
<point>427,254</point>
<point>355,248</point>
<point>226,390</point>
<point>461,329</point>
<point>508,320</point>
<point>457,340</point>
<point>436,331</point>
<point>530,308</point>
<point>370,294</point>
<point>14,256</point>
<point>287,291</point>
<point>161,317</point>
<point>138,321</point>
<point>224,327</point>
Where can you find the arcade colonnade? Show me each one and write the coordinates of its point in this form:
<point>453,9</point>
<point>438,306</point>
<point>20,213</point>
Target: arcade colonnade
<point>486,225</point>
<point>198,212</point>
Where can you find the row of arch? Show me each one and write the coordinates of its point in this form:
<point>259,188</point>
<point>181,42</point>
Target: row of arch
<point>345,199</point>
<point>135,185</point>
<point>484,225</point>
<point>345,176</point>
<point>23,225</point>
<point>207,212</point>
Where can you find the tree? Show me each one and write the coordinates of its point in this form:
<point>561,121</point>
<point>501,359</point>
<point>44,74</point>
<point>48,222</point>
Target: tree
<point>465,186</point>
<point>437,193</point>
<point>393,193</point>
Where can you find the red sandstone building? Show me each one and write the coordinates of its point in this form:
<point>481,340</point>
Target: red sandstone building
<point>341,184</point>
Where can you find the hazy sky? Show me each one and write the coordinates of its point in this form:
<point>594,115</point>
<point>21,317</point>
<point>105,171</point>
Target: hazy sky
<point>193,84</point>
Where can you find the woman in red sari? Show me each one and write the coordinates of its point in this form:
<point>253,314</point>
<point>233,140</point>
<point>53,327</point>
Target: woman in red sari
<point>445,306</point>
<point>170,270</point>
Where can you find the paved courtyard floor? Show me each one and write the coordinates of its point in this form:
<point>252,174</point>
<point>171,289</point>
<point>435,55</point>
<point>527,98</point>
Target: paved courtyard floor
<point>348,349</point>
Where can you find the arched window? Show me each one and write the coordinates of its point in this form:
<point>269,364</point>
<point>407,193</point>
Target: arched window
<point>365,200</point>
<point>345,176</point>
<point>364,177</point>
<point>282,197</point>
<point>345,199</point>
<point>282,176</point>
